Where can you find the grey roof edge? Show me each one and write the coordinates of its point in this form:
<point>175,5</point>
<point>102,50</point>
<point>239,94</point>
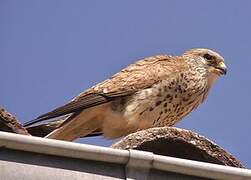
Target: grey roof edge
<point>104,154</point>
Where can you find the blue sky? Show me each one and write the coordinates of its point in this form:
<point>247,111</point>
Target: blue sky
<point>52,50</point>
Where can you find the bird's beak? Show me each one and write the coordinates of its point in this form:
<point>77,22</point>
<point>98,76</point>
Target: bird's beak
<point>222,68</point>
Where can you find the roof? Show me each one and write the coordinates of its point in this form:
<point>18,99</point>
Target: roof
<point>26,157</point>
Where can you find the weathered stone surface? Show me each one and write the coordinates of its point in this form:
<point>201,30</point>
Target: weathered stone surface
<point>180,143</point>
<point>9,123</point>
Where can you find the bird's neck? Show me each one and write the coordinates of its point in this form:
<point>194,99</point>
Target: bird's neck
<point>212,77</point>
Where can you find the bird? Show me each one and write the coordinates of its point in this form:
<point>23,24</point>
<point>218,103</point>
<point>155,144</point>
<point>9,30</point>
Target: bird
<point>155,91</point>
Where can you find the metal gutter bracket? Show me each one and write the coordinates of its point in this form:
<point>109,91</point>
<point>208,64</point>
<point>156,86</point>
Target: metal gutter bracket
<point>138,165</point>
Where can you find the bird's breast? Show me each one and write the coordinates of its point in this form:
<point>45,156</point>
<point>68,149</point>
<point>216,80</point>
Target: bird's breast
<point>164,103</point>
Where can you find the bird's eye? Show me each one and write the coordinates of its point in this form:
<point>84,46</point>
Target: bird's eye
<point>208,56</point>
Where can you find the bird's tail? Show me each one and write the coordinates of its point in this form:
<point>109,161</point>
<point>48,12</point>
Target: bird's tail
<point>83,124</point>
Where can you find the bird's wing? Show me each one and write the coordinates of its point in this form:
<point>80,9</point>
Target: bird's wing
<point>142,74</point>
<point>83,102</point>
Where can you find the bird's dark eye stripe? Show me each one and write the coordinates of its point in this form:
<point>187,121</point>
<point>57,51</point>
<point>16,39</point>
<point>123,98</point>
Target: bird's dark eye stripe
<point>208,56</point>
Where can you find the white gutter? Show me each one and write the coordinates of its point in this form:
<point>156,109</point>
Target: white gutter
<point>130,158</point>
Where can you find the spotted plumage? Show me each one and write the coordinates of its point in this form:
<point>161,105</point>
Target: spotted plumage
<point>156,91</point>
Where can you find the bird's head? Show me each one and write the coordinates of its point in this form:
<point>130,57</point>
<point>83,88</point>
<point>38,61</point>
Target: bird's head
<point>213,61</point>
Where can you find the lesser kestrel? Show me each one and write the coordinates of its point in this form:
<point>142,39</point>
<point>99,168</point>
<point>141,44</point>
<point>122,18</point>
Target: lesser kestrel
<point>153,92</point>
